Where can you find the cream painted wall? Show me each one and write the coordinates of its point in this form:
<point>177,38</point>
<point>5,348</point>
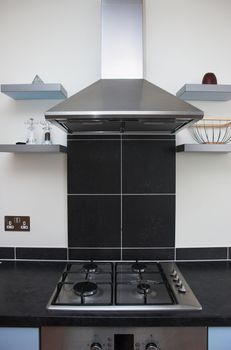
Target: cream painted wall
<point>184,40</point>
<point>60,41</point>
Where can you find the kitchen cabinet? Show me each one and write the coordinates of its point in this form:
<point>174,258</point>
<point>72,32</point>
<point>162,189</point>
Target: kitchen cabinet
<point>219,338</point>
<point>14,338</point>
<point>205,92</point>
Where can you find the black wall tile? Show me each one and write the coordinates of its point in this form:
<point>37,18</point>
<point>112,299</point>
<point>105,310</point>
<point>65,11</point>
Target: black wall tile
<point>148,166</point>
<point>94,254</point>
<point>148,221</point>
<point>94,221</point>
<point>94,166</point>
<point>41,253</point>
<point>148,254</point>
<point>201,253</point>
<point>6,253</point>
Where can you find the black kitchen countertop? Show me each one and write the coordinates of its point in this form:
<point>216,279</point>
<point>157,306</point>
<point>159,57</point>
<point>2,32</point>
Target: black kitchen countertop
<point>26,287</point>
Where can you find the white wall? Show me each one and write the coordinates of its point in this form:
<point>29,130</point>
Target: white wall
<point>184,40</point>
<point>60,41</point>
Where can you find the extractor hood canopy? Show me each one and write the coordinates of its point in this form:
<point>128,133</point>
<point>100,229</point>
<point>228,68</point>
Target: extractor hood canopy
<point>122,101</point>
<point>123,105</point>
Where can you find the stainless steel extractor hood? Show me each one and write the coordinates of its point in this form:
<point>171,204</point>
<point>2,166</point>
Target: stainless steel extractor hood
<point>126,103</point>
<point>123,105</point>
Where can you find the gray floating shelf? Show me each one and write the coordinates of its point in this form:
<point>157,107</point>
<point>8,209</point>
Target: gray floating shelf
<point>36,91</point>
<point>33,148</point>
<point>208,148</point>
<point>205,92</point>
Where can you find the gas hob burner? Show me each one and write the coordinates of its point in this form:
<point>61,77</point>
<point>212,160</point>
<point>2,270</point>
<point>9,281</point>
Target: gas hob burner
<point>138,267</point>
<point>85,288</point>
<point>90,267</point>
<point>143,288</point>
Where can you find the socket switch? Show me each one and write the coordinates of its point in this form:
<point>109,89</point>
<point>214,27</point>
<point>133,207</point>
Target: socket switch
<point>17,223</point>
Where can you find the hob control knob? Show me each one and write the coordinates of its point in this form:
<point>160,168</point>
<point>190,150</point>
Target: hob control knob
<point>151,346</point>
<point>173,273</point>
<point>96,346</point>
<point>176,278</point>
<point>182,289</point>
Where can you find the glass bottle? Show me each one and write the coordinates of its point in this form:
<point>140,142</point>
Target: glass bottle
<point>46,133</point>
<point>31,139</point>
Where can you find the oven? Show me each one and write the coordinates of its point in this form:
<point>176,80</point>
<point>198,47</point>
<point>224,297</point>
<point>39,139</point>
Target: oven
<point>124,338</point>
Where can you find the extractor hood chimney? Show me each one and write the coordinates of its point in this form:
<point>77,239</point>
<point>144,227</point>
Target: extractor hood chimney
<point>122,101</point>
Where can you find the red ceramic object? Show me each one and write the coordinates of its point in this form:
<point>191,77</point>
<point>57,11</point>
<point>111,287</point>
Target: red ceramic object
<point>209,78</point>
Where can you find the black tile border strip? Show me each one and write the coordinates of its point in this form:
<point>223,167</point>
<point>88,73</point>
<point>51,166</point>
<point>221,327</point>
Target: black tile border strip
<point>114,253</point>
<point>211,253</point>
<point>40,253</point>
<point>7,253</point>
<point>148,254</point>
<point>95,254</point>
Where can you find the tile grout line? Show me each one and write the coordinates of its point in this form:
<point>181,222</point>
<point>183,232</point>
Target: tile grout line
<point>77,140</point>
<point>227,253</point>
<point>121,199</point>
<point>162,260</point>
<point>119,194</point>
<point>15,256</point>
<point>86,248</point>
<point>115,247</point>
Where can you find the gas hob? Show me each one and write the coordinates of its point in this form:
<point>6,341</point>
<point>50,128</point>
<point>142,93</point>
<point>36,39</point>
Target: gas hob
<point>122,286</point>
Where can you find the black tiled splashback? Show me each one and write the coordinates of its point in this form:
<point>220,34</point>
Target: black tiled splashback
<point>121,203</point>
<point>121,196</point>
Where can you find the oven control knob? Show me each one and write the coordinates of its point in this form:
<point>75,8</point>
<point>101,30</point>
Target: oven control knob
<point>151,346</point>
<point>96,346</point>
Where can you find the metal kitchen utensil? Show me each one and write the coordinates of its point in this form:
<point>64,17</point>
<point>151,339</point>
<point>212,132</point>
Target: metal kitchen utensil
<point>212,131</point>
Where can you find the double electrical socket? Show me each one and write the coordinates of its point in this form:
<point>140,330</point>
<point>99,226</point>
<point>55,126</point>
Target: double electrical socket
<point>17,223</point>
